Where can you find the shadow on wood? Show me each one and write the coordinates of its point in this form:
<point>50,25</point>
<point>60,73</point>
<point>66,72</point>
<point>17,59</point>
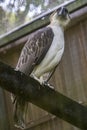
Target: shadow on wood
<point>43,96</point>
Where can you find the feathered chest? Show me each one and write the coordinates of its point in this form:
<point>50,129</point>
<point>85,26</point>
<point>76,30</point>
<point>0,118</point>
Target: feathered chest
<point>54,53</point>
<point>44,46</point>
<point>57,43</point>
<point>58,40</point>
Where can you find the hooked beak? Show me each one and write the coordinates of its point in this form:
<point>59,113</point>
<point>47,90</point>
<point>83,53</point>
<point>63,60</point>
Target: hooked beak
<point>63,12</point>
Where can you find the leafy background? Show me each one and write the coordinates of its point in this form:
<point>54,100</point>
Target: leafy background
<point>13,13</point>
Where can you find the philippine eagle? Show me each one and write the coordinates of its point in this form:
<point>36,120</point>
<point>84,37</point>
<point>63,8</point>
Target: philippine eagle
<point>40,55</point>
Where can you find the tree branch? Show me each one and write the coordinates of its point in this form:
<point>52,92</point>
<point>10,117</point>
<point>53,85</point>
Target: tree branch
<point>44,97</point>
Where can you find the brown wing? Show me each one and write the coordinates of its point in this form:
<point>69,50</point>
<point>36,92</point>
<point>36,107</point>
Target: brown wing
<point>35,50</point>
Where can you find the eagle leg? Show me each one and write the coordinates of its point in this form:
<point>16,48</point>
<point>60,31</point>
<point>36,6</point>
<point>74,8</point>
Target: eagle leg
<point>47,84</point>
<point>42,81</point>
<point>36,78</point>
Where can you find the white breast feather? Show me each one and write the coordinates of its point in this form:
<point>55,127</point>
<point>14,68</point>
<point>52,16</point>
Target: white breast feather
<point>54,53</point>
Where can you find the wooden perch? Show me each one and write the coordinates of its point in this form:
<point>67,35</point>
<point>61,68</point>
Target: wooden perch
<point>43,96</point>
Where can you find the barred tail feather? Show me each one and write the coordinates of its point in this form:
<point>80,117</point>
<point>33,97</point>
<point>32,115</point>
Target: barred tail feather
<point>19,110</point>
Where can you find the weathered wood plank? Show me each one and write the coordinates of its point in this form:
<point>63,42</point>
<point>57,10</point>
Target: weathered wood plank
<point>3,116</point>
<point>44,97</point>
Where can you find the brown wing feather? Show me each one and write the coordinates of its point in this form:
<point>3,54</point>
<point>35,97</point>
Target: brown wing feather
<point>35,50</point>
<point>32,54</point>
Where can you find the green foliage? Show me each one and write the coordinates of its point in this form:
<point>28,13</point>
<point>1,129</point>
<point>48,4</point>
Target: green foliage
<point>16,12</point>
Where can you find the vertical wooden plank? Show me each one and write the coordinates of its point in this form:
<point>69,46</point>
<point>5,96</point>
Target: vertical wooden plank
<point>3,116</point>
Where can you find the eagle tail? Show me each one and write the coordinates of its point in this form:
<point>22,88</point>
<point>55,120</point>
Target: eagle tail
<point>20,107</point>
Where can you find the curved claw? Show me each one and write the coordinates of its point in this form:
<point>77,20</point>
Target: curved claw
<point>47,84</point>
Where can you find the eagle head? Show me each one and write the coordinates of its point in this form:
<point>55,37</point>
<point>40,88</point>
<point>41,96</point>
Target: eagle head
<point>61,17</point>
